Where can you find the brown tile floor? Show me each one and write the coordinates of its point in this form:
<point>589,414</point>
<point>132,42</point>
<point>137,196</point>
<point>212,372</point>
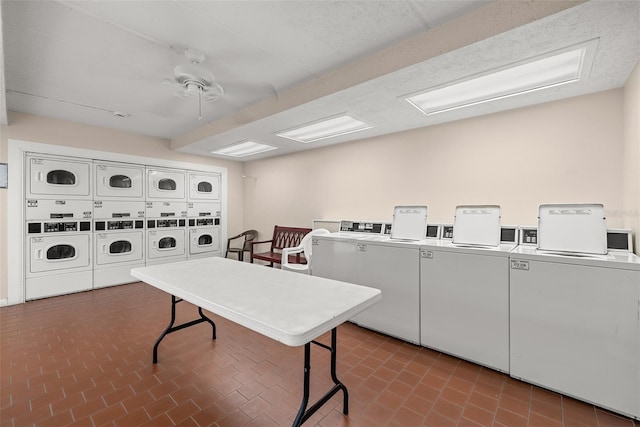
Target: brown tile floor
<point>85,360</point>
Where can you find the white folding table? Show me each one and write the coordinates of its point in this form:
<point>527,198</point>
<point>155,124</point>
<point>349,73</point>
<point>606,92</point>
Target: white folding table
<point>288,307</point>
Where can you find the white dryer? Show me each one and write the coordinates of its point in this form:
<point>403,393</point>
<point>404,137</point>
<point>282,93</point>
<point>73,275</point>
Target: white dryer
<point>165,241</point>
<point>64,178</point>
<point>166,184</point>
<point>166,238</point>
<point>204,237</point>
<point>58,258</point>
<point>204,229</point>
<point>118,181</point>
<point>118,241</point>
<point>204,187</point>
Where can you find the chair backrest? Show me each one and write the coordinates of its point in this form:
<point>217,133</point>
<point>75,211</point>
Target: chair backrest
<point>307,242</point>
<point>287,237</point>
<point>249,235</point>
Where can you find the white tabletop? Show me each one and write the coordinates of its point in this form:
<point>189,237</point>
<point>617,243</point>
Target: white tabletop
<point>289,307</point>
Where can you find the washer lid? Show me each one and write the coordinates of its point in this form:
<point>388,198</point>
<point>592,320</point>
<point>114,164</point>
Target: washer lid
<point>574,228</point>
<point>409,223</point>
<point>477,225</point>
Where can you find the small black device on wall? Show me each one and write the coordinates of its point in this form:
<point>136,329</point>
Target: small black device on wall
<point>4,175</point>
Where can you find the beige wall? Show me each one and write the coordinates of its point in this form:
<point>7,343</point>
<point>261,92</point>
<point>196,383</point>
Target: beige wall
<point>576,150</point>
<point>631,131</point>
<point>50,131</point>
<point>565,151</point>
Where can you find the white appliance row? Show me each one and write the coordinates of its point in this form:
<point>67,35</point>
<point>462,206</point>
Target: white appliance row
<point>567,323</point>
<point>88,222</point>
<point>50,177</point>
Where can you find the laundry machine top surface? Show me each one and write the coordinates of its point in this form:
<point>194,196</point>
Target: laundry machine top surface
<point>502,249</point>
<point>613,259</point>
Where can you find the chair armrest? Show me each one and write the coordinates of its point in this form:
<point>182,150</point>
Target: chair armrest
<point>236,237</point>
<point>290,251</point>
<point>232,238</point>
<point>257,243</point>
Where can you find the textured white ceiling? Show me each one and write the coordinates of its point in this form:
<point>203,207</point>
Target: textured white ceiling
<point>284,63</point>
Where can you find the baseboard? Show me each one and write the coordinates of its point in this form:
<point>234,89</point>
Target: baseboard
<point>3,302</point>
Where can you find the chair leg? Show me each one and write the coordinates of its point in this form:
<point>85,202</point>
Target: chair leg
<point>241,256</point>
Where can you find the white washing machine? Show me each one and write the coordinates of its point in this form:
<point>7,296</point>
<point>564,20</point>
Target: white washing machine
<point>203,187</point>
<point>166,184</point>
<point>575,318</point>
<point>50,177</point>
<point>118,181</point>
<point>118,241</point>
<point>372,259</point>
<point>464,292</point>
<point>336,252</point>
<point>58,258</point>
<point>575,325</point>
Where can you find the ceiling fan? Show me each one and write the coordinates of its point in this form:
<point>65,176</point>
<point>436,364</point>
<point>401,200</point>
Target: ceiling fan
<point>192,79</point>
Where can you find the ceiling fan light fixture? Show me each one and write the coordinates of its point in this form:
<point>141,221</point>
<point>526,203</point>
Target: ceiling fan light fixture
<point>192,88</point>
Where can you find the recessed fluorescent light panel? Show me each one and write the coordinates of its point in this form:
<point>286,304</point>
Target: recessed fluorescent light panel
<point>243,149</point>
<point>327,128</point>
<point>558,68</point>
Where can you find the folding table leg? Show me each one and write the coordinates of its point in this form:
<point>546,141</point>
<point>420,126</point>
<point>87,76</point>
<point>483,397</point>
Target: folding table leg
<point>303,412</point>
<point>169,329</point>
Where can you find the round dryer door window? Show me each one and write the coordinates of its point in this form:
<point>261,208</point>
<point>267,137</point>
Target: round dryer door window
<point>167,243</point>
<point>205,240</point>
<point>120,247</point>
<point>119,181</point>
<point>61,252</point>
<point>61,177</point>
<point>205,187</point>
<point>167,184</point>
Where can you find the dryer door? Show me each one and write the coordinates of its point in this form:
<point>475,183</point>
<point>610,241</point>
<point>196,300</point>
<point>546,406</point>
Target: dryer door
<point>203,240</point>
<point>58,178</point>
<point>121,181</point>
<point>166,184</point>
<point>164,243</point>
<point>204,187</point>
<point>118,247</point>
<point>55,253</point>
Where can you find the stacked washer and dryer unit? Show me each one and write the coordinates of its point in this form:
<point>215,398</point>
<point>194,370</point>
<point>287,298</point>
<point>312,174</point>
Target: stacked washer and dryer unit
<point>58,211</point>
<point>203,213</point>
<point>119,212</point>
<point>166,209</point>
<point>89,222</point>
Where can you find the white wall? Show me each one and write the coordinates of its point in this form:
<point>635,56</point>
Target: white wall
<point>50,131</point>
<point>565,151</point>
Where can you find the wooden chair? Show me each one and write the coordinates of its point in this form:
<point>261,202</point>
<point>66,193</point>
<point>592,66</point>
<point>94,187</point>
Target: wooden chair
<point>283,237</point>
